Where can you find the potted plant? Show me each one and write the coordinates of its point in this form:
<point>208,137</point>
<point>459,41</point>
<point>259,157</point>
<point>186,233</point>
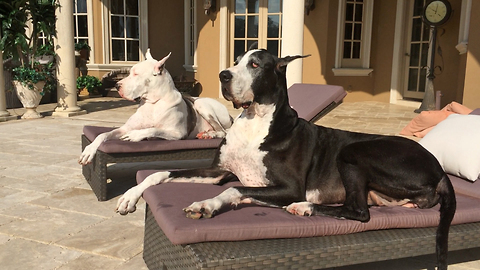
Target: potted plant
<point>29,75</point>
<point>82,54</point>
<point>89,83</point>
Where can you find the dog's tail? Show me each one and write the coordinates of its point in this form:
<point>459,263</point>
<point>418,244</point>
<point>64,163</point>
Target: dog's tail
<point>448,205</point>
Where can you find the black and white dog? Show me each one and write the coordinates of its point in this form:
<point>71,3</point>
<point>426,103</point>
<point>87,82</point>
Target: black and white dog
<point>284,161</point>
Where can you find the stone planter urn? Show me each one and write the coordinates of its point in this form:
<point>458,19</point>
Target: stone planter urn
<point>30,98</point>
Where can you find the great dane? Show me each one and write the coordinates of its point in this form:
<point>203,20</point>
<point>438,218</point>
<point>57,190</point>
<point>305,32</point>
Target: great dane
<point>163,112</point>
<point>285,161</point>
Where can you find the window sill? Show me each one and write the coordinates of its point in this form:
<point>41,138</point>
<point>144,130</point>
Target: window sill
<point>352,71</point>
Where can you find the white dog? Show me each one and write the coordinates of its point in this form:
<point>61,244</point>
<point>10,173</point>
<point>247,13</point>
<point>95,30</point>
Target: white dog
<point>163,112</point>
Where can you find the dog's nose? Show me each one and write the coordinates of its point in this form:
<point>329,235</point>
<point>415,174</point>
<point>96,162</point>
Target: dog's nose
<point>225,76</point>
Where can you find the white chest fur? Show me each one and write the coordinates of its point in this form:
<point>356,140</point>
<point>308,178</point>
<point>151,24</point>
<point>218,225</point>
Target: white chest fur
<point>241,154</point>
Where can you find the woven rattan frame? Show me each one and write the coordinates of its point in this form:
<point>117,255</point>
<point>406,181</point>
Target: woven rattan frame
<point>96,172</point>
<point>300,253</point>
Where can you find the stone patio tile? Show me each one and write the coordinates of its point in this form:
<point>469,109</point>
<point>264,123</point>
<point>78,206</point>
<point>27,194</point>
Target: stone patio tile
<point>118,237</point>
<point>21,254</point>
<point>136,263</point>
<point>44,224</point>
<point>47,183</point>
<point>78,200</point>
<point>11,197</point>
<point>89,261</point>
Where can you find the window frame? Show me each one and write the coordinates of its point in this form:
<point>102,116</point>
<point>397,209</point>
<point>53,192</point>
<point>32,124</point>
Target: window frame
<point>262,27</point>
<point>191,36</point>
<point>143,36</point>
<point>360,66</point>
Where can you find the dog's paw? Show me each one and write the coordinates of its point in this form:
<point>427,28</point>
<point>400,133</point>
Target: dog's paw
<point>87,155</point>
<point>210,134</point>
<point>300,209</point>
<point>206,209</point>
<point>133,136</point>
<point>127,203</point>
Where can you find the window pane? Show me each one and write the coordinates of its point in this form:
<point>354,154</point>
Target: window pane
<point>117,26</point>
<point>132,27</point>
<point>239,48</point>
<point>357,33</point>
<point>417,29</point>
<point>412,79</point>
<point>132,7</point>
<point>82,26</point>
<point>356,50</point>
<point>239,26</point>
<point>358,12</point>
<point>273,24</point>
<point>423,80</point>
<point>424,54</point>
<point>348,31</point>
<point>253,6</point>
<point>240,7</point>
<point>274,6</point>
<point>252,26</point>
<point>426,32</point>
<point>116,7</point>
<point>414,54</point>
<point>272,47</point>
<point>418,8</point>
<point>349,12</point>
<point>81,6</point>
<point>133,50</point>
<point>347,48</point>
<point>118,50</point>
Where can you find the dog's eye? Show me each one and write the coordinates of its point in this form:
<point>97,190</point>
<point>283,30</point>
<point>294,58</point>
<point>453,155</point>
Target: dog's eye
<point>254,65</point>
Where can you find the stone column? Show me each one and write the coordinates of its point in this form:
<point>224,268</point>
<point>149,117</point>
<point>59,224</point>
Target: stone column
<point>292,38</point>
<point>64,47</point>
<point>4,114</point>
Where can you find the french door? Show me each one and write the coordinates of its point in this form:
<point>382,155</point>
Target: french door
<point>417,52</point>
<point>255,21</point>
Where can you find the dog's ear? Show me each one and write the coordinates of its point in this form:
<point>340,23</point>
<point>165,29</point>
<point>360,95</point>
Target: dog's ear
<point>253,46</point>
<point>283,62</point>
<point>148,56</point>
<point>160,65</point>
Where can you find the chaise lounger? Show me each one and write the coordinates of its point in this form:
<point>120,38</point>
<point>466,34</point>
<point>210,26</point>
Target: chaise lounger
<point>310,100</point>
<point>254,237</point>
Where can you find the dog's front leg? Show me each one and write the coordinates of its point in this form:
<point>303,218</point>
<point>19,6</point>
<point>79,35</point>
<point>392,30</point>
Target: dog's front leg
<point>164,133</point>
<point>210,207</point>
<point>89,152</point>
<point>127,203</point>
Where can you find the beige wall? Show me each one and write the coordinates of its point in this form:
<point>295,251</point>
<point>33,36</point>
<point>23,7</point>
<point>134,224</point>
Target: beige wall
<point>208,52</point>
<point>166,34</point>
<point>471,96</point>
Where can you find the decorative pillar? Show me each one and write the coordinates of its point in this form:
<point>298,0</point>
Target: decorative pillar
<point>4,114</point>
<point>64,47</point>
<point>292,38</point>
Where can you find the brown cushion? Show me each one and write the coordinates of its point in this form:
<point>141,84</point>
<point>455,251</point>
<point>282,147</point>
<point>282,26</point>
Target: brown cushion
<point>254,222</point>
<point>119,146</point>
<point>311,99</point>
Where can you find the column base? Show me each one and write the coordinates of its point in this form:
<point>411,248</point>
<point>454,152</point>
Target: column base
<point>68,114</point>
<point>9,117</point>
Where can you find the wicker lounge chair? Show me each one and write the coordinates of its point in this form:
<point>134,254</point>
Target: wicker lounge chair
<point>310,100</point>
<point>171,250</point>
<point>255,237</point>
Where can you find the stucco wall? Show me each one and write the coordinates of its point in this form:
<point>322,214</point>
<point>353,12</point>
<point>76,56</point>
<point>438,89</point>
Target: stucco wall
<point>165,33</point>
<point>208,52</point>
<point>471,97</point>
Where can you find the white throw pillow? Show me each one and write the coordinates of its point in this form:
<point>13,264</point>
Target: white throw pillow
<point>455,142</point>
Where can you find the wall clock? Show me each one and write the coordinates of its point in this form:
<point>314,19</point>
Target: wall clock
<point>437,12</point>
